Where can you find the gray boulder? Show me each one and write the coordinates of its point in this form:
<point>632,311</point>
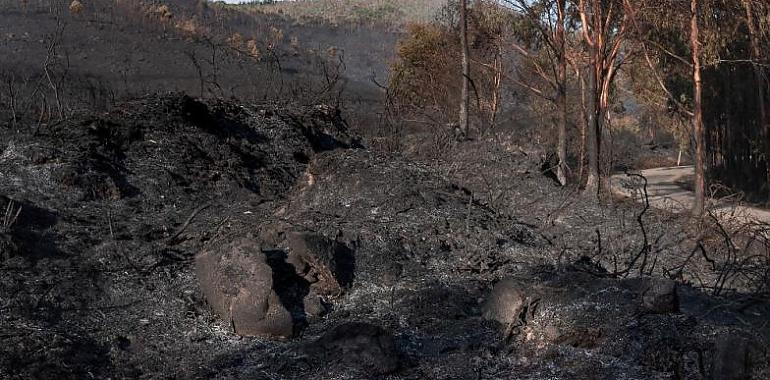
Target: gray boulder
<point>238,284</point>
<point>506,302</point>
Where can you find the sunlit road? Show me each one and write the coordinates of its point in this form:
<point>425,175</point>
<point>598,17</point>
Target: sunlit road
<point>669,189</point>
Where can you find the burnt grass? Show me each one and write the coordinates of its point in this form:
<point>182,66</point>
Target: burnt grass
<point>99,242</point>
<point>103,213</point>
<point>98,278</point>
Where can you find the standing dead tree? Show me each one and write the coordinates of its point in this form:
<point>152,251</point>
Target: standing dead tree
<point>697,120</point>
<point>29,89</point>
<point>561,93</point>
<point>51,59</point>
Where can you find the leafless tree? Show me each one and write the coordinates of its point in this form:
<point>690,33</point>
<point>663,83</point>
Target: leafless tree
<point>464,96</point>
<point>697,120</point>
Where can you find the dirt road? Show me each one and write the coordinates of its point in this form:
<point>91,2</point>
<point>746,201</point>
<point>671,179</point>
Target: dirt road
<point>670,189</point>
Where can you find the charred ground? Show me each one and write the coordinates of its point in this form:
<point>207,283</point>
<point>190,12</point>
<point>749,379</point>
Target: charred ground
<point>133,230</point>
<point>99,275</point>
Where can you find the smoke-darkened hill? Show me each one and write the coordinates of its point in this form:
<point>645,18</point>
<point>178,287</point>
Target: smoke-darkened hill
<point>62,58</point>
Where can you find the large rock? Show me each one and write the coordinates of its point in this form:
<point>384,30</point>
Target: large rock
<point>237,282</point>
<point>358,344</point>
<point>327,265</point>
<point>506,302</point>
<point>272,288</point>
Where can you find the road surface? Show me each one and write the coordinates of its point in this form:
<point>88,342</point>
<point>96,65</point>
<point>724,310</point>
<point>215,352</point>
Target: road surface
<point>668,189</point>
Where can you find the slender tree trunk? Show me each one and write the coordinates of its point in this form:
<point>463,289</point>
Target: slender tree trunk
<point>464,96</point>
<point>593,139</point>
<point>653,132</point>
<point>561,96</point>
<point>700,180</point>
<point>756,52</point>
<point>498,81</point>
<point>594,135</point>
<point>603,26</point>
<point>584,122</point>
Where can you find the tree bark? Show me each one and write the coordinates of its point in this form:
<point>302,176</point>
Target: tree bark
<point>464,96</point>
<point>697,120</point>
<point>585,120</point>
<point>593,139</point>
<point>561,96</point>
<point>756,53</point>
<point>604,31</point>
<point>594,133</point>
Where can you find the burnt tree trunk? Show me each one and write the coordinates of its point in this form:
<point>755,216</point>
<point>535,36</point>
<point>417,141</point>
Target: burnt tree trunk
<point>593,138</point>
<point>585,121</point>
<point>464,96</point>
<point>697,120</point>
<point>561,96</point>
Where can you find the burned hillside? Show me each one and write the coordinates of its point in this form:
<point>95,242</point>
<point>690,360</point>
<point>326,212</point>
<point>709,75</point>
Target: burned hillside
<point>142,242</point>
<point>383,189</point>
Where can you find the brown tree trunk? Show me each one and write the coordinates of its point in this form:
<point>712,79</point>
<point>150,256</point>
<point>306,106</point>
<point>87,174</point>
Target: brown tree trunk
<point>561,96</point>
<point>594,133</point>
<point>584,122</point>
<point>498,82</point>
<point>464,96</point>
<point>700,178</point>
<point>593,143</point>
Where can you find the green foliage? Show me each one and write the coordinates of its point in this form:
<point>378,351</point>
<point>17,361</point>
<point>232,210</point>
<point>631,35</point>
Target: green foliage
<point>734,79</point>
<point>427,64</point>
<point>425,79</point>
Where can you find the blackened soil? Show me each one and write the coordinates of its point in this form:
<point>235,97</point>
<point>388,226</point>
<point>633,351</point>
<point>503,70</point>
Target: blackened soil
<point>112,207</point>
<point>102,215</point>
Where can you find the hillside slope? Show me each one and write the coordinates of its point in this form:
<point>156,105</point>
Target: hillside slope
<point>391,13</point>
<point>118,49</point>
<point>178,238</point>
